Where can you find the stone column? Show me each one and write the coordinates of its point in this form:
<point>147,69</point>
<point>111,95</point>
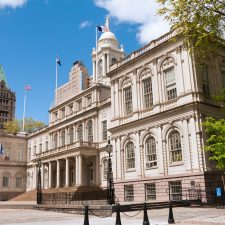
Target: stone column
<point>42,175</point>
<point>67,172</point>
<point>49,175</point>
<point>77,170</point>
<point>80,169</point>
<point>58,174</point>
<point>35,177</point>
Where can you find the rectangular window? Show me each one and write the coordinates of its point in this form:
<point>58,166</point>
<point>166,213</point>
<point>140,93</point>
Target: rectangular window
<point>175,190</point>
<point>46,146</point>
<point>55,116</point>
<point>128,100</point>
<point>40,148</point>
<point>205,80</point>
<point>128,193</point>
<point>171,89</point>
<point>18,182</point>
<point>104,130</point>
<point>34,152</point>
<point>63,113</point>
<point>148,98</point>
<point>5,181</point>
<point>70,109</point>
<point>150,192</point>
<point>89,100</point>
<point>79,104</point>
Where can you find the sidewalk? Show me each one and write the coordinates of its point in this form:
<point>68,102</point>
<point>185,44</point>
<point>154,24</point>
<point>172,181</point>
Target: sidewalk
<point>187,216</point>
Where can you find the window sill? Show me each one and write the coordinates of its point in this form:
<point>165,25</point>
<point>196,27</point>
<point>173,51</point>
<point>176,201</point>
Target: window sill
<point>176,164</point>
<point>130,170</point>
<point>151,168</point>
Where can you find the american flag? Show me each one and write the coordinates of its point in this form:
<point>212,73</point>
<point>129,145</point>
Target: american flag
<point>27,87</point>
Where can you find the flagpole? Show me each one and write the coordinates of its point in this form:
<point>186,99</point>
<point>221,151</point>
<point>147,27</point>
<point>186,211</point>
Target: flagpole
<point>56,80</point>
<point>24,108</point>
<point>96,50</point>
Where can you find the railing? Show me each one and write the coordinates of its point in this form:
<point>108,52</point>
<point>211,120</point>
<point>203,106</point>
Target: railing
<point>75,198</point>
<point>146,48</point>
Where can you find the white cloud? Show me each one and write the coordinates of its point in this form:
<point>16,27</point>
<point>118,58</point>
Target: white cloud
<point>11,3</point>
<point>85,24</point>
<point>141,12</point>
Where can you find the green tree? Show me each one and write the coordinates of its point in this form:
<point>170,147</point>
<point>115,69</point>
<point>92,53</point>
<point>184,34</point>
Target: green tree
<point>12,126</point>
<point>201,22</point>
<point>15,126</point>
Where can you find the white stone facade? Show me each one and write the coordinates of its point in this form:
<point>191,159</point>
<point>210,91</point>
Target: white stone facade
<point>152,104</point>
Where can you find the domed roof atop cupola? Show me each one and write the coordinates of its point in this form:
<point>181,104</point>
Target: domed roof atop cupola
<point>108,35</point>
<point>107,39</point>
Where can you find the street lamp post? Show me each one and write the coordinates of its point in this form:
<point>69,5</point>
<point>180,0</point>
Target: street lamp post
<point>39,191</point>
<point>110,186</point>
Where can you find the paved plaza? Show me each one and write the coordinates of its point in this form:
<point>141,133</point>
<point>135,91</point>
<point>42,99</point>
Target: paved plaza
<point>188,216</point>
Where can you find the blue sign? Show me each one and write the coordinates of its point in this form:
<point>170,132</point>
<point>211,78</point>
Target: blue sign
<point>218,192</point>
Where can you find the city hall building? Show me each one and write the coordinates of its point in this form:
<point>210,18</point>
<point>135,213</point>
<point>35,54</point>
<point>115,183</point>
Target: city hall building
<point>150,104</point>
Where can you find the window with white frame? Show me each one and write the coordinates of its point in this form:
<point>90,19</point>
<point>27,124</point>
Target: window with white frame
<point>175,147</point>
<point>150,192</point>
<point>130,155</point>
<point>128,100</point>
<point>80,132</point>
<point>34,150</point>
<point>128,193</point>
<point>104,130</point>
<point>71,134</point>
<point>147,91</point>
<point>90,131</point>
<point>55,141</point>
<point>170,78</point>
<point>105,169</point>
<point>150,149</point>
<point>205,80</point>
<point>63,136</point>
<point>5,181</point>
<point>18,182</point>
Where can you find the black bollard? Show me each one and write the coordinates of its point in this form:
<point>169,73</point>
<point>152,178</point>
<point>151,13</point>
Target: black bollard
<point>86,220</point>
<point>118,220</point>
<point>146,221</point>
<point>170,219</point>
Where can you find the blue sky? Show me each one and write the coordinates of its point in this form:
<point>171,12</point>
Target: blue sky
<point>33,32</point>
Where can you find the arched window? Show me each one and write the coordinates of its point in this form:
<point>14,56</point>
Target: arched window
<point>170,78</point>
<point>100,68</point>
<point>71,134</point>
<point>63,138</point>
<point>80,132</point>
<point>147,92</point>
<point>55,141</point>
<point>150,149</point>
<point>130,155</point>
<point>146,79</point>
<point>105,169</point>
<point>128,100</point>
<point>175,147</point>
<point>90,131</point>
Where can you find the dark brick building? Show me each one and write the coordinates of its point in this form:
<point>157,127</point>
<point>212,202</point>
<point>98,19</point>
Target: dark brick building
<point>7,100</point>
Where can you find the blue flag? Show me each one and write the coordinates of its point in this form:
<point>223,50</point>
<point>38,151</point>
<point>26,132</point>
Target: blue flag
<point>1,149</point>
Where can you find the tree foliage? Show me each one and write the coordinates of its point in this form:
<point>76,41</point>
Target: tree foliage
<point>215,129</point>
<point>216,141</point>
<point>200,21</point>
<point>15,126</point>
<point>12,127</point>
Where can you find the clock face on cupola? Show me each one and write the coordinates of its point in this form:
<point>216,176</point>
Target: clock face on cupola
<point>108,53</point>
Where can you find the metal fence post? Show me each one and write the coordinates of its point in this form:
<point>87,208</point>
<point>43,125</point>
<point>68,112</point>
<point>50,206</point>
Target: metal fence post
<point>86,219</point>
<point>146,221</point>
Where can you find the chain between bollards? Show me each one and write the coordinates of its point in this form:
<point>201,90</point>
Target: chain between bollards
<point>86,219</point>
<point>146,220</point>
<point>118,220</point>
<point>170,219</point>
